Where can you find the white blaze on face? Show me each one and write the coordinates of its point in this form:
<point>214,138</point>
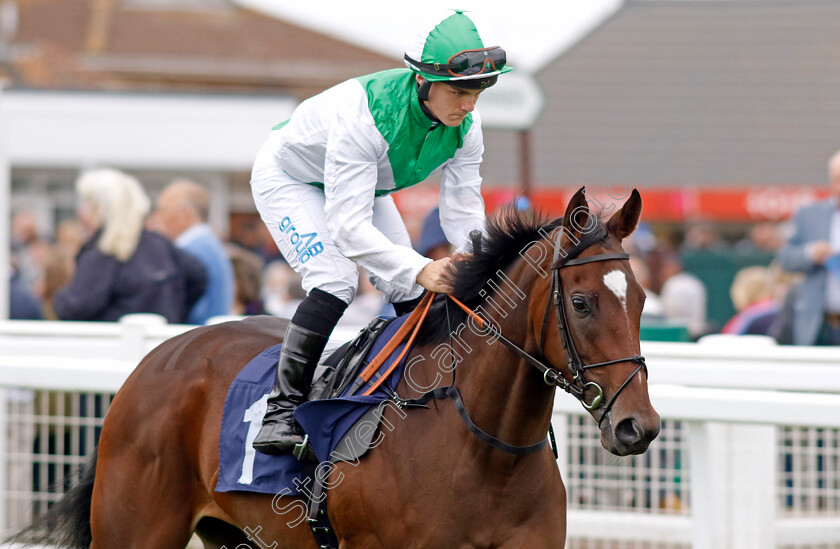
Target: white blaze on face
<point>617,283</point>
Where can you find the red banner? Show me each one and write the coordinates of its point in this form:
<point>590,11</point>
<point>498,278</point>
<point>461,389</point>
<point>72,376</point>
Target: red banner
<point>674,204</point>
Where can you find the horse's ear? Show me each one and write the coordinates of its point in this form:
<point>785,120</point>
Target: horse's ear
<point>625,220</point>
<point>577,219</point>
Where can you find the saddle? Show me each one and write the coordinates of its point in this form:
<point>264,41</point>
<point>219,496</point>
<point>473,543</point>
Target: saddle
<point>337,381</point>
<point>351,368</point>
<point>335,373</point>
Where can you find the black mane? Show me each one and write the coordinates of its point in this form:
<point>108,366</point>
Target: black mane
<point>505,237</point>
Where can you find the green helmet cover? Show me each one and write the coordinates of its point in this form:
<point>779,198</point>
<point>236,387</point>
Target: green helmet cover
<point>447,35</point>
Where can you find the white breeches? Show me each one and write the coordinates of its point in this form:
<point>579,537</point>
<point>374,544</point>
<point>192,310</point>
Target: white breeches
<point>294,214</point>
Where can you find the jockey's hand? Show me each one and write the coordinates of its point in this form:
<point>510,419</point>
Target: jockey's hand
<point>819,251</point>
<point>433,276</point>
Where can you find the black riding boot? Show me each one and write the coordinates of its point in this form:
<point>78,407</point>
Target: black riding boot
<point>298,357</point>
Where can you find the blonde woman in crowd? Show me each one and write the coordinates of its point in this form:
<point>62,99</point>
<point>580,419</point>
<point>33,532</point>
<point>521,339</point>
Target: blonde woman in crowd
<point>123,268</point>
<point>754,298</point>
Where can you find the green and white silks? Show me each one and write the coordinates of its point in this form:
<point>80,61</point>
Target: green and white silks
<point>360,141</point>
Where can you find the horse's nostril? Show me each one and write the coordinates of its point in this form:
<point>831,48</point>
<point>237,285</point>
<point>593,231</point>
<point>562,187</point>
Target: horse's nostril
<point>628,431</point>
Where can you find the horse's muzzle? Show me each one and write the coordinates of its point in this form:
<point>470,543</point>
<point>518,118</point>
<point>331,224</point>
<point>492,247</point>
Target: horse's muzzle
<point>631,435</point>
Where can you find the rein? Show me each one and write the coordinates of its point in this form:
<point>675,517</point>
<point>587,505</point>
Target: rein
<point>413,323</point>
<point>577,387</point>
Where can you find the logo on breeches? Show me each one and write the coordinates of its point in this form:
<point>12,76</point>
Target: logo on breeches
<point>304,244</point>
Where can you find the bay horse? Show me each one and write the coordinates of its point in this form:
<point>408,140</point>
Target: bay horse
<point>551,305</point>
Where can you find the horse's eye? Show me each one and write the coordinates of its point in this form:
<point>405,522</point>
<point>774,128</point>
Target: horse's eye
<point>580,304</point>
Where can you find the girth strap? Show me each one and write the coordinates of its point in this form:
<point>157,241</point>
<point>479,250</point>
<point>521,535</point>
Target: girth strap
<point>317,517</point>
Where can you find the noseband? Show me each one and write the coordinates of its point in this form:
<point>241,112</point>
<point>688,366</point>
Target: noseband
<point>577,368</point>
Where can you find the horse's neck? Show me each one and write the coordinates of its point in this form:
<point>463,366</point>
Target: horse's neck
<point>503,395</point>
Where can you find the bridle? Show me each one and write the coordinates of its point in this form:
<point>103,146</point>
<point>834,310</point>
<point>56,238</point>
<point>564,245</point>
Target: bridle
<point>577,367</point>
<point>578,386</point>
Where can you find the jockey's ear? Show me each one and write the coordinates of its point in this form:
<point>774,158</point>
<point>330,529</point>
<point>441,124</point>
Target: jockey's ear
<point>625,220</point>
<point>577,219</point>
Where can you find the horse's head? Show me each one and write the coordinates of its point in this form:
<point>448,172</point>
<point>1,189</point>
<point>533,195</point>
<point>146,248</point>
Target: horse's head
<point>597,305</point>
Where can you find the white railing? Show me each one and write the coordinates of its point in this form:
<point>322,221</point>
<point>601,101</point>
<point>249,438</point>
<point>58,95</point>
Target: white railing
<point>750,430</point>
<point>127,341</point>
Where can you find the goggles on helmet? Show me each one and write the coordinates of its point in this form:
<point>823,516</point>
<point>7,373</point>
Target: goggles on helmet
<point>469,62</point>
<point>466,63</point>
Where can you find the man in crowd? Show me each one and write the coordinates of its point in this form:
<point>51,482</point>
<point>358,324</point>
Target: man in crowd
<point>814,249</point>
<point>181,215</point>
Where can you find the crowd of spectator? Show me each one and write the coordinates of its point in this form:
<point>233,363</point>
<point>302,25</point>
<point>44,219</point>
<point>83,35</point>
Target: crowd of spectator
<point>787,285</point>
<point>120,255</point>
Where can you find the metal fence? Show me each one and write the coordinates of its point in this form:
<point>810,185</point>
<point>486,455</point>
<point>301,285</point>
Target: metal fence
<point>733,468</point>
<point>809,484</point>
<point>48,435</point>
<point>657,481</point>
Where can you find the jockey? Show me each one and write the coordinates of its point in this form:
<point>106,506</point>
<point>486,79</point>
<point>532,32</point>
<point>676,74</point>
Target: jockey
<point>322,184</point>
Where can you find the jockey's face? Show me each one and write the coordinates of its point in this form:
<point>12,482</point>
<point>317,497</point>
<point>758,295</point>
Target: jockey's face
<point>450,104</point>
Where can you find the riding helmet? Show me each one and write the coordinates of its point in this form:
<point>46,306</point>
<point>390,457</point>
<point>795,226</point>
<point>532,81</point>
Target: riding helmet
<point>458,49</point>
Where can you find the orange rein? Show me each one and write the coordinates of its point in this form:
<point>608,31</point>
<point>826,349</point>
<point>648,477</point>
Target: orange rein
<point>467,310</point>
<point>415,321</point>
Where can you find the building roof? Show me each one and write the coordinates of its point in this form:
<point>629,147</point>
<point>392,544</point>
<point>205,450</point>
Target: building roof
<point>695,92</point>
<point>167,45</point>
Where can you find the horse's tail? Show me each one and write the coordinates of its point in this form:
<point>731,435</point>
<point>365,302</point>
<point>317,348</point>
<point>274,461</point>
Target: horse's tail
<point>67,522</point>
